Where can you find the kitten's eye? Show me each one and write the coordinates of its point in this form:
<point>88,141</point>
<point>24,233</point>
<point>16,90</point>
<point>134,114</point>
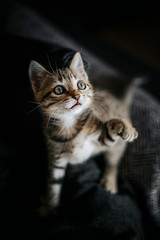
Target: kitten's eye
<point>81,85</point>
<point>59,90</point>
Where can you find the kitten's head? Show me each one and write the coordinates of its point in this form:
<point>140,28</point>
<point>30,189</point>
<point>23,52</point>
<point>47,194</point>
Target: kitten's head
<point>64,91</point>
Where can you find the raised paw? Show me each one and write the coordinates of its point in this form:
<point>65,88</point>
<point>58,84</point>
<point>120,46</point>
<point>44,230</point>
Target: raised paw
<point>121,128</point>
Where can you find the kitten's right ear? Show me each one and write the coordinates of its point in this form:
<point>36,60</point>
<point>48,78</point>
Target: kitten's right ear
<point>77,66</point>
<point>37,74</point>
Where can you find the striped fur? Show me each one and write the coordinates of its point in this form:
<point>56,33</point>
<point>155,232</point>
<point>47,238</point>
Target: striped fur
<point>78,124</point>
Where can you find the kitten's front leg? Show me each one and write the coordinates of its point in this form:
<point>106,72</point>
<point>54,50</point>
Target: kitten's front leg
<point>116,128</point>
<point>54,185</point>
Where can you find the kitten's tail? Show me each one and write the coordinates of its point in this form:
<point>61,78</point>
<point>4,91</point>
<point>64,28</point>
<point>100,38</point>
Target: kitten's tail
<point>129,90</point>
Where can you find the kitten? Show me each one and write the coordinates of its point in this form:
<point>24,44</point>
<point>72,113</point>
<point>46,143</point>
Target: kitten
<point>78,122</point>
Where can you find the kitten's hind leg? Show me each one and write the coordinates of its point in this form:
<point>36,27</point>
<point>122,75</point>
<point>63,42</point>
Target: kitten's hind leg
<point>51,202</point>
<point>110,172</point>
<point>109,179</point>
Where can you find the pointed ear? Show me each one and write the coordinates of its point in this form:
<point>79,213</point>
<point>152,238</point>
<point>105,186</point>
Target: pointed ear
<point>76,65</point>
<point>37,75</point>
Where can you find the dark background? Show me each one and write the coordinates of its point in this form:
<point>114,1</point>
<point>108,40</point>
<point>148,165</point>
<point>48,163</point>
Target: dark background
<point>134,27</point>
<point>132,30</point>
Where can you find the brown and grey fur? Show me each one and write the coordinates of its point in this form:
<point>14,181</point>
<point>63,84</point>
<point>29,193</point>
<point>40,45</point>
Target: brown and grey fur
<point>73,134</point>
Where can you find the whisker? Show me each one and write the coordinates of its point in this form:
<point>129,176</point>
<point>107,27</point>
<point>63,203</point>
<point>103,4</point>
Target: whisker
<point>34,109</point>
<point>57,70</point>
<point>50,63</point>
<point>59,107</point>
<point>33,102</point>
<point>49,119</point>
<point>99,107</point>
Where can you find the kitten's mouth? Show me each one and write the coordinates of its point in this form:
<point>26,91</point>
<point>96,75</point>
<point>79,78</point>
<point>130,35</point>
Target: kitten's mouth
<point>76,105</point>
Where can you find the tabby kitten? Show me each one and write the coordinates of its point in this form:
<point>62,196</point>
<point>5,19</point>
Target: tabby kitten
<point>78,122</point>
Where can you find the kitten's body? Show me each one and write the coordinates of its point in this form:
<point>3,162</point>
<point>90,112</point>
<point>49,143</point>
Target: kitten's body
<point>84,143</point>
<point>78,123</point>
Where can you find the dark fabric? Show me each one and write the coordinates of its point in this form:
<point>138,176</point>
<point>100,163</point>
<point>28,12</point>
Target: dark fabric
<point>22,166</point>
<point>142,160</point>
<point>87,211</point>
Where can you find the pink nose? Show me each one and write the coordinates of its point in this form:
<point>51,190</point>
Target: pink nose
<point>77,96</point>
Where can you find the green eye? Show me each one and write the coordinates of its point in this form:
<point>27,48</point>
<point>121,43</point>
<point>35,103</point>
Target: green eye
<point>81,85</point>
<point>59,90</point>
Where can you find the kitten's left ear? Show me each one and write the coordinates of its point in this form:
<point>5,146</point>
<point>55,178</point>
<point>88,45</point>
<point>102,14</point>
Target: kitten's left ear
<point>77,65</point>
<point>38,75</point>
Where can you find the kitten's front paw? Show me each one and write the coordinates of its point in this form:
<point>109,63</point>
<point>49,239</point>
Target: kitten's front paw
<point>121,128</point>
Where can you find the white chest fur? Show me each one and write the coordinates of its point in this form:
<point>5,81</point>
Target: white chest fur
<point>85,145</point>
<point>85,148</point>
<point>67,120</point>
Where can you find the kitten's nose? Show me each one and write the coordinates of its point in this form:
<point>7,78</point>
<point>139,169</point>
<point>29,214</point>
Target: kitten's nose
<point>76,96</point>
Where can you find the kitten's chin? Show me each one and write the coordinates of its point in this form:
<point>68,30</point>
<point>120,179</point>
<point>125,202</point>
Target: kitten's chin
<point>76,109</point>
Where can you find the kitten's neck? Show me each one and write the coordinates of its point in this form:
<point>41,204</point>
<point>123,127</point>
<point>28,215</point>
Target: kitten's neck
<point>66,128</point>
<point>67,120</point>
